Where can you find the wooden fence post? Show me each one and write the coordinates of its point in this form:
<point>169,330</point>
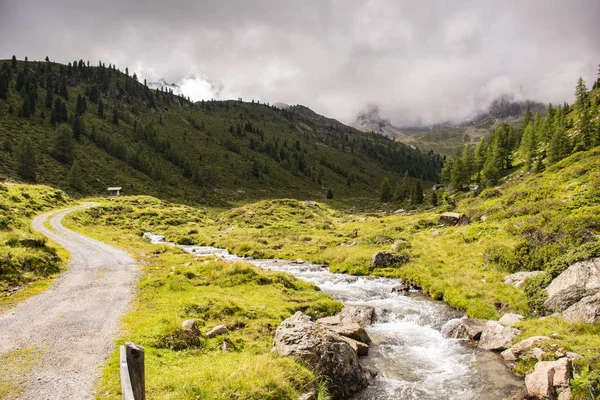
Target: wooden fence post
<point>133,382</point>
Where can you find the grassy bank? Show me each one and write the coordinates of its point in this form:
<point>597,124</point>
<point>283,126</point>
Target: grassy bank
<point>176,286</point>
<point>28,261</point>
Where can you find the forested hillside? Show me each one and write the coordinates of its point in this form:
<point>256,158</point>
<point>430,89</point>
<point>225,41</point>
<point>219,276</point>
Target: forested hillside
<point>85,127</point>
<point>537,143</point>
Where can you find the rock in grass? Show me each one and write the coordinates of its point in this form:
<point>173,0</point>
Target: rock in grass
<point>509,319</point>
<point>524,348</point>
<point>518,280</point>
<point>384,259</point>
<point>323,350</point>
<point>454,219</point>
<point>585,310</point>
<point>190,330</point>
<point>216,331</point>
<point>497,337</point>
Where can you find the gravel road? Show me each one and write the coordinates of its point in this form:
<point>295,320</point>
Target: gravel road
<point>73,324</point>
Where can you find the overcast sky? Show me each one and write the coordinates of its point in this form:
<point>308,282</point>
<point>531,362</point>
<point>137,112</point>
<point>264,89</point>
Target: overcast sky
<point>421,61</point>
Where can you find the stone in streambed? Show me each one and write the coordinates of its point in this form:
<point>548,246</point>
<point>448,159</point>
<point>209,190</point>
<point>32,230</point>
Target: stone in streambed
<point>464,328</point>
<point>497,337</point>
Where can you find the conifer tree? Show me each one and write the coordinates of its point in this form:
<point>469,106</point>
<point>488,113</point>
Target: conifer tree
<point>63,148</point>
<point>528,117</point>
<point>14,62</point>
<point>401,192</point>
<point>385,191</point>
<point>459,177</point>
<point>560,146</point>
<point>434,198</point>
<point>26,161</point>
<point>115,117</point>
<point>468,157</point>
<point>480,153</point>
<point>100,108</point>
<point>3,85</point>
<point>25,108</point>
<point>329,193</point>
<point>446,174</point>
<point>49,98</point>
<point>417,194</point>
<point>78,127</point>
<point>74,178</point>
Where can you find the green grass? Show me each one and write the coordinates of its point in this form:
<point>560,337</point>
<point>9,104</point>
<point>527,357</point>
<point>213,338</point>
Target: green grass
<point>29,268</point>
<point>176,286</point>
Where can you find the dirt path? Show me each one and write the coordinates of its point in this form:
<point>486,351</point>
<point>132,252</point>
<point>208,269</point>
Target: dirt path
<point>72,325</point>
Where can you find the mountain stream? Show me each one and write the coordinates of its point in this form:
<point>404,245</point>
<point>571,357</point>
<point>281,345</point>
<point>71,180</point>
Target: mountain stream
<point>414,360</point>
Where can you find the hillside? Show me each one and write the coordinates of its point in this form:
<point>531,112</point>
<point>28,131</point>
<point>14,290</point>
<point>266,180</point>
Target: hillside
<point>83,128</point>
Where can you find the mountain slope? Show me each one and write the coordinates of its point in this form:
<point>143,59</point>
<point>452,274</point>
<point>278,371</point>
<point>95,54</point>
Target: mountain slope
<point>154,142</point>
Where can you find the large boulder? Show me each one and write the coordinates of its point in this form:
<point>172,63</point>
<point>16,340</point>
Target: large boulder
<point>497,337</point>
<point>325,351</point>
<point>454,219</point>
<point>585,310</point>
<point>350,330</point>
<point>580,280</point>
<point>518,280</point>
<point>550,379</point>
<point>384,259</point>
<point>464,328</point>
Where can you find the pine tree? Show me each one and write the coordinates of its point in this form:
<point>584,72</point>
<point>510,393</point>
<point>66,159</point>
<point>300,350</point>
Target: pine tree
<point>14,62</point>
<point>329,193</point>
<point>560,146</point>
<point>385,191</point>
<point>63,148</point>
<point>401,192</point>
<point>26,161</point>
<point>446,174</point>
<point>468,157</point>
<point>528,117</point>
<point>581,95</point>
<point>434,198</point>
<point>115,117</point>
<point>49,98</point>
<point>78,127</point>
<point>459,177</point>
<point>480,153</point>
<point>25,108</point>
<point>528,146</point>
<point>3,85</point>
<point>417,194</point>
<point>100,108</point>
<point>74,178</point>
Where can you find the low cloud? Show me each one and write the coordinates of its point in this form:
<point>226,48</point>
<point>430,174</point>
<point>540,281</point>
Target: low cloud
<point>421,63</point>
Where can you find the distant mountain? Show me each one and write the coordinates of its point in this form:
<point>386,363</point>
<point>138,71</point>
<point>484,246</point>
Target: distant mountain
<point>164,84</point>
<point>449,138</point>
<point>370,120</point>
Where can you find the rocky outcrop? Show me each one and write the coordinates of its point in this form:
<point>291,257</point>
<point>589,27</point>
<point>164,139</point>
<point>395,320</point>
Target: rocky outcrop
<point>585,310</point>
<point>454,219</point>
<point>550,379</point>
<point>497,337</point>
<point>518,280</point>
<point>464,328</point>
<point>384,259</point>
<point>325,351</point>
<point>580,280</point>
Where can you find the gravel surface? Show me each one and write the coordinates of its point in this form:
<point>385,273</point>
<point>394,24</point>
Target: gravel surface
<point>73,324</point>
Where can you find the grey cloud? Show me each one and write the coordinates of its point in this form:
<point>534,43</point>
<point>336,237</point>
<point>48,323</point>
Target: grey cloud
<point>421,62</point>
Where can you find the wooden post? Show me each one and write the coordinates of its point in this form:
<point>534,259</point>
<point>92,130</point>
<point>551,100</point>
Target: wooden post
<point>126,389</point>
<point>135,364</point>
<point>133,382</point>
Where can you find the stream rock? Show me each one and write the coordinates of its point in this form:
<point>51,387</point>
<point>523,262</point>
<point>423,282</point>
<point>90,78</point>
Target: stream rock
<point>550,379</point>
<point>524,349</point>
<point>325,351</point>
<point>518,280</point>
<point>496,336</point>
<point>351,330</point>
<point>580,280</point>
<point>464,328</point>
